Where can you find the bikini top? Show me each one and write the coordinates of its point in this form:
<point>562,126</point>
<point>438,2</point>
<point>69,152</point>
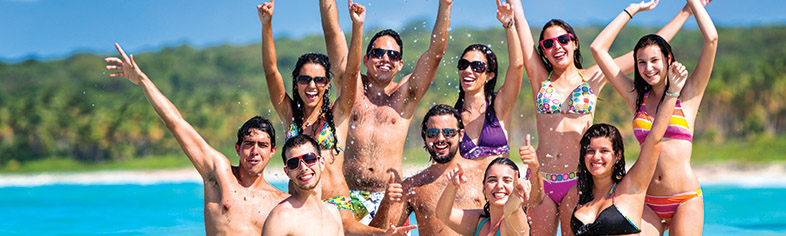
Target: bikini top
<point>477,230</point>
<point>677,129</point>
<point>610,221</point>
<point>492,140</point>
<point>580,101</point>
<point>324,137</point>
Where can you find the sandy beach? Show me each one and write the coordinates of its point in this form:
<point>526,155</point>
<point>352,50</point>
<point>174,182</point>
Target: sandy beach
<point>770,175</point>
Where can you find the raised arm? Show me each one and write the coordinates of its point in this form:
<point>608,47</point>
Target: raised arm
<point>697,83</point>
<point>462,221</point>
<point>612,68</point>
<point>536,70</point>
<point>639,176</point>
<point>509,91</point>
<point>426,68</point>
<point>349,83</point>
<point>195,147</point>
<point>335,41</point>
<point>515,219</point>
<point>275,83</point>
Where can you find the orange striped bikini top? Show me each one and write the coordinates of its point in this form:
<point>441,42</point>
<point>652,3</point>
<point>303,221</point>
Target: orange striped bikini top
<point>677,129</point>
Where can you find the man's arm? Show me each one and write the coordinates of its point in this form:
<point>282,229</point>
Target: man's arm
<point>426,68</point>
<point>276,224</point>
<point>335,41</point>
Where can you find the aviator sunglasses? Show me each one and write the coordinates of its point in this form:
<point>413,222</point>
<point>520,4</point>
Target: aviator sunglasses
<point>562,39</point>
<point>309,158</point>
<point>477,66</point>
<point>305,80</point>
<point>379,53</point>
<point>447,132</point>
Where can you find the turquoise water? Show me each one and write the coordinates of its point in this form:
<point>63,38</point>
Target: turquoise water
<point>176,209</point>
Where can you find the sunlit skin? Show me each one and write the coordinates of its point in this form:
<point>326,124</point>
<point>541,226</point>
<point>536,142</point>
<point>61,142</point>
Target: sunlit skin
<point>382,70</point>
<point>651,63</point>
<point>311,93</point>
<point>254,152</point>
<point>600,158</point>
<point>499,184</point>
<point>473,82</point>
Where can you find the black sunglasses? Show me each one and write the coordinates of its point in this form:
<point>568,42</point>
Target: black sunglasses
<point>447,132</point>
<point>305,80</point>
<point>379,53</point>
<point>309,158</point>
<point>477,66</point>
<point>562,39</point>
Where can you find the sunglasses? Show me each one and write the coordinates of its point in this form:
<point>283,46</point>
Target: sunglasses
<point>447,132</point>
<point>309,158</point>
<point>477,66</point>
<point>379,53</point>
<point>305,80</point>
<point>562,39</point>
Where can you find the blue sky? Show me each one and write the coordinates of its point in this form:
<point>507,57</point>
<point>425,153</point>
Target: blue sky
<point>58,28</point>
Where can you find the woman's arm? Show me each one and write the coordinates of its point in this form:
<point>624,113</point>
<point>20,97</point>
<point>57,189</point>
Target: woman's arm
<point>515,218</point>
<point>536,70</point>
<point>349,83</point>
<point>461,221</point>
<point>611,69</point>
<point>275,83</point>
<point>697,82</point>
<point>509,91</point>
<point>335,40</point>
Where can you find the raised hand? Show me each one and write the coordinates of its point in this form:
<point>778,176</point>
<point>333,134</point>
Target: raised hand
<point>446,2</point>
<point>394,191</point>
<point>505,13</point>
<point>456,176</point>
<point>528,156</point>
<point>677,77</point>
<point>703,4</point>
<point>645,5</point>
<point>393,230</point>
<point>523,188</point>
<point>265,11</point>
<point>127,66</point>
<point>357,12</point>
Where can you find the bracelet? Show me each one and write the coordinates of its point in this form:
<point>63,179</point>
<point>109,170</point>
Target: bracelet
<point>677,94</point>
<point>510,23</point>
<point>626,11</point>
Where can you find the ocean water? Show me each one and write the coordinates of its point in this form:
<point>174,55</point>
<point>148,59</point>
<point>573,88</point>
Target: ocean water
<point>176,209</point>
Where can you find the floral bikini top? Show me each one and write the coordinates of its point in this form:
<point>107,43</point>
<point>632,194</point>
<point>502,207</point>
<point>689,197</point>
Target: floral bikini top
<point>324,137</point>
<point>580,101</point>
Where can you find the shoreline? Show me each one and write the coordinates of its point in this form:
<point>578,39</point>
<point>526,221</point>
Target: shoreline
<point>761,175</point>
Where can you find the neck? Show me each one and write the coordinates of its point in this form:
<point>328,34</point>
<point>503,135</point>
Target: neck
<point>376,86</point>
<point>474,101</point>
<point>246,179</point>
<point>308,196</point>
<point>563,72</point>
<point>311,114</point>
<point>602,186</point>
<point>441,168</point>
<point>657,93</point>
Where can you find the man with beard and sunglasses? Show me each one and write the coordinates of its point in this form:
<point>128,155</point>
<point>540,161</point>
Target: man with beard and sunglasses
<point>442,131</point>
<point>383,109</point>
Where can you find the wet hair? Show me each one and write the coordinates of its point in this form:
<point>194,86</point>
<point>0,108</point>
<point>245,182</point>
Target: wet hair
<point>257,122</point>
<point>297,104</point>
<point>488,87</point>
<point>500,161</point>
<point>602,130</point>
<point>576,53</point>
<point>438,110</point>
<point>640,86</point>
<point>387,32</point>
<point>298,141</point>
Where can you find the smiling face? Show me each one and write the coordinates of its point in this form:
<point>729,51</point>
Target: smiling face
<point>383,68</point>
<point>311,93</point>
<point>470,80</point>
<point>560,56</point>
<point>651,65</point>
<point>304,177</point>
<point>600,157</point>
<point>441,148</point>
<point>498,184</point>
<point>255,151</point>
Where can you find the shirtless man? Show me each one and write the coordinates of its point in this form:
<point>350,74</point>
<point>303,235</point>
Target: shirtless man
<point>442,130</point>
<point>237,198</point>
<point>384,109</point>
<point>303,213</point>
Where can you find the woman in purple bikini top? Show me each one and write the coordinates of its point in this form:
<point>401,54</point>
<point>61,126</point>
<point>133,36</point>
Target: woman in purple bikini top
<point>492,140</point>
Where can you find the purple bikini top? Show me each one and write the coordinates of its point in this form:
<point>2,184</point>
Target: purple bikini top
<point>492,140</point>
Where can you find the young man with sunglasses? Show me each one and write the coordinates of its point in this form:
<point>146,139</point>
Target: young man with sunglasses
<point>237,198</point>
<point>442,131</point>
<point>384,108</point>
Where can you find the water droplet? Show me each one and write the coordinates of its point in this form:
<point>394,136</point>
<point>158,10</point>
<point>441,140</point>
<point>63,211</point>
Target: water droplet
<point>415,41</point>
<point>566,166</point>
<point>352,142</point>
<point>353,127</point>
<point>448,83</point>
<point>238,103</point>
<point>83,92</point>
<point>92,105</point>
<point>551,129</point>
<point>522,115</point>
<point>469,35</point>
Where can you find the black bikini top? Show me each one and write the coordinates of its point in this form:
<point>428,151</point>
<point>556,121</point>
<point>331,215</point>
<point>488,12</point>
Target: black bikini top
<point>610,221</point>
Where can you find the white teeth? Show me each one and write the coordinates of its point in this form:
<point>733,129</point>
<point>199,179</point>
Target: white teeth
<point>499,195</point>
<point>559,54</point>
<point>311,93</point>
<point>385,67</point>
<point>652,74</point>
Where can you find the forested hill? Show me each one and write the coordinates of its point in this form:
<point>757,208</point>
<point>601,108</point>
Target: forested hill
<point>70,108</point>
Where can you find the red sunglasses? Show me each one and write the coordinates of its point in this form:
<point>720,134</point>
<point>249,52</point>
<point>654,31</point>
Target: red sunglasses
<point>562,39</point>
<point>309,158</point>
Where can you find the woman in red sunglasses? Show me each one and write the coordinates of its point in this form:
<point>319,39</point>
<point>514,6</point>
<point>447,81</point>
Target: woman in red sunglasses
<point>674,196</point>
<point>487,114</point>
<point>565,94</point>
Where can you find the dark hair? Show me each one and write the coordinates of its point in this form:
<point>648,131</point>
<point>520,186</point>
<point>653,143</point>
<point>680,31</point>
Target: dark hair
<point>257,122</point>
<point>640,86</point>
<point>501,161</point>
<point>438,110</point>
<point>576,53</point>
<point>488,87</point>
<point>297,105</point>
<point>298,141</point>
<point>387,32</point>
<point>601,130</point>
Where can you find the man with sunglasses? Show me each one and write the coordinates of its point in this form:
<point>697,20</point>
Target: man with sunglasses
<point>441,131</point>
<point>384,109</point>
<point>237,198</point>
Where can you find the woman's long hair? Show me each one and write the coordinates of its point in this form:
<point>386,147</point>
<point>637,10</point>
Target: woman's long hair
<point>640,86</point>
<point>576,53</point>
<point>601,130</point>
<point>501,161</point>
<point>298,106</point>
<point>488,87</point>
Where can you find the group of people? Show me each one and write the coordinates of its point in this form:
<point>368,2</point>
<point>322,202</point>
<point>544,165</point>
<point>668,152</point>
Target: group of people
<point>344,158</point>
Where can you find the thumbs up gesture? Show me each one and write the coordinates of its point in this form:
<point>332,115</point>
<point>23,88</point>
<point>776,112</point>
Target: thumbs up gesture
<point>528,156</point>
<point>394,191</point>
